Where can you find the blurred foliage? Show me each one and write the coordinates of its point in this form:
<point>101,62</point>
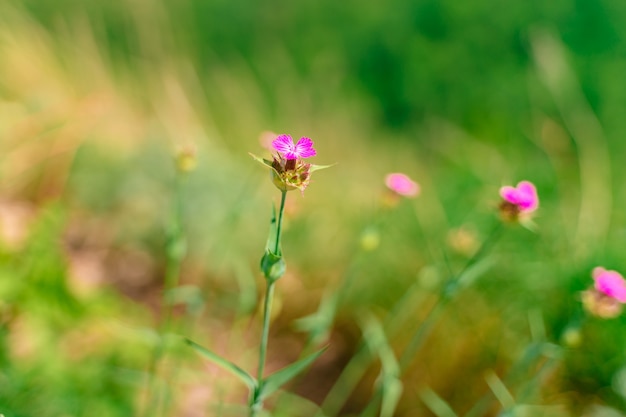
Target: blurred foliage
<point>97,97</point>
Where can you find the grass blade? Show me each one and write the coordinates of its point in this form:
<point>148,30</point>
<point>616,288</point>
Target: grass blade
<point>245,377</point>
<point>279,378</point>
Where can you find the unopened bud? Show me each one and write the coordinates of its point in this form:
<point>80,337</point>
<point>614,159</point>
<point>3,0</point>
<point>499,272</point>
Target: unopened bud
<point>186,159</point>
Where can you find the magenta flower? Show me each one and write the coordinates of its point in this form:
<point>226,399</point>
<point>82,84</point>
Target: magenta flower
<point>524,196</point>
<point>303,149</point>
<point>606,298</point>
<point>610,283</point>
<point>402,184</point>
<point>289,171</point>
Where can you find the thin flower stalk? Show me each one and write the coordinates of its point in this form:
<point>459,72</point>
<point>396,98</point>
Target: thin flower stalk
<point>256,403</point>
<point>288,172</point>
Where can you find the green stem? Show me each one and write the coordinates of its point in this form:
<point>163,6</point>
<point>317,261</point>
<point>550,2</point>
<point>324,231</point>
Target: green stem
<point>269,294</point>
<point>283,197</point>
<point>256,403</point>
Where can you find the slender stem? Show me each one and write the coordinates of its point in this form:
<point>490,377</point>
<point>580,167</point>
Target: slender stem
<point>269,294</point>
<point>256,403</point>
<point>283,197</point>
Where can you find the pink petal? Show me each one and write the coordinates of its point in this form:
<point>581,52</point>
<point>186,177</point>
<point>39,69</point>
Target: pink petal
<point>284,144</point>
<point>527,194</point>
<point>402,184</point>
<point>524,196</point>
<point>611,283</point>
<point>509,194</point>
<point>304,148</point>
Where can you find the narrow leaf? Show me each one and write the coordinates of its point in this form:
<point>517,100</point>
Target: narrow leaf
<point>499,390</point>
<point>391,391</point>
<point>314,168</point>
<point>261,160</point>
<point>436,404</point>
<point>279,378</point>
<point>270,245</point>
<point>245,377</point>
<point>376,339</point>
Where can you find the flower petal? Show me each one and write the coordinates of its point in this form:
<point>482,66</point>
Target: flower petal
<point>304,148</point>
<point>284,144</point>
<point>527,194</point>
<point>402,184</point>
<point>509,194</point>
<point>524,196</point>
<point>612,284</point>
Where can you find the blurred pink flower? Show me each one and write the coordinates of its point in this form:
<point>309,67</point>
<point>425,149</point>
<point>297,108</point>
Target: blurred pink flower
<point>610,283</point>
<point>606,298</point>
<point>402,184</point>
<point>524,196</point>
<point>303,149</point>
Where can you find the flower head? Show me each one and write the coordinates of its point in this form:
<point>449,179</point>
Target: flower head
<point>610,283</point>
<point>518,201</point>
<point>288,169</point>
<point>402,184</point>
<point>303,149</point>
<point>608,294</point>
<point>289,174</point>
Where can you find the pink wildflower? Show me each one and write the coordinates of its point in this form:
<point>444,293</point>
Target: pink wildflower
<point>402,184</point>
<point>303,149</point>
<point>289,171</point>
<point>608,294</point>
<point>519,202</point>
<point>610,283</point>
<point>524,196</point>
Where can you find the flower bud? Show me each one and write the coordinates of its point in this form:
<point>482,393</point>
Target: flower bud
<point>186,160</point>
<point>273,266</point>
<point>370,239</point>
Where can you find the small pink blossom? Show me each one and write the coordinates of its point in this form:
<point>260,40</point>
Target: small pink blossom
<point>524,196</point>
<point>402,184</point>
<point>610,283</point>
<point>303,149</point>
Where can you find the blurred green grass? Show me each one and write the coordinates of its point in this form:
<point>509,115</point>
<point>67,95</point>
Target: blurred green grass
<point>95,99</point>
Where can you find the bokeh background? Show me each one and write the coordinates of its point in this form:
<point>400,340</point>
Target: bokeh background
<point>97,99</point>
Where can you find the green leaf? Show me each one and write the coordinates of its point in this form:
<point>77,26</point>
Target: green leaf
<point>279,378</point>
<point>314,168</point>
<point>500,390</point>
<point>377,342</point>
<point>390,384</point>
<point>391,391</point>
<point>245,377</point>
<point>270,245</point>
<point>261,160</point>
<point>436,404</point>
<point>265,162</point>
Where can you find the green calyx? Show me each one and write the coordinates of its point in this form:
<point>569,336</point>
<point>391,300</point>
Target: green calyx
<point>273,266</point>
